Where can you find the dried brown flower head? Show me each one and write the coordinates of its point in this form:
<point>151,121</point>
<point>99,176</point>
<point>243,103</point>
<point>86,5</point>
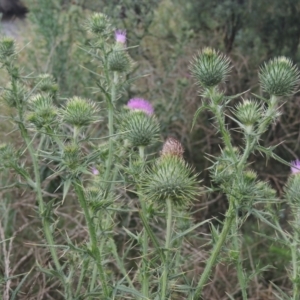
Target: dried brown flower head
<point>172,147</point>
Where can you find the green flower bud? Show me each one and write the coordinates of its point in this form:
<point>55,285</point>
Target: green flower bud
<point>279,77</point>
<point>248,112</point>
<point>7,155</point>
<point>119,61</point>
<point>222,173</point>
<point>71,158</point>
<point>7,48</point>
<point>97,200</point>
<point>46,83</point>
<point>210,68</point>
<point>139,128</point>
<point>263,191</point>
<point>13,98</point>
<point>170,178</point>
<point>292,189</point>
<point>44,113</point>
<point>250,176</point>
<point>79,112</point>
<point>99,24</point>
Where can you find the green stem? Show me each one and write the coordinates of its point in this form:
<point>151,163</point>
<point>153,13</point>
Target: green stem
<point>93,280</point>
<point>238,262</point>
<point>164,279</point>
<point>261,129</point>
<point>144,270</point>
<point>110,109</point>
<point>216,250</point>
<point>218,111</point>
<point>82,276</point>
<point>295,279</point>
<point>45,221</point>
<point>120,263</point>
<point>75,133</point>
<point>93,237</point>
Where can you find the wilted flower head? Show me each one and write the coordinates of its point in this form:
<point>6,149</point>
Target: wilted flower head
<point>120,36</point>
<point>141,105</point>
<point>295,168</point>
<point>172,147</point>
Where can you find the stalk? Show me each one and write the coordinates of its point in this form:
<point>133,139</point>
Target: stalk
<point>45,221</point>
<point>164,279</point>
<point>217,110</point>
<point>110,109</point>
<point>95,250</point>
<point>216,250</point>
<point>261,129</point>
<point>238,263</point>
<point>82,276</point>
<point>294,249</point>
<point>145,274</point>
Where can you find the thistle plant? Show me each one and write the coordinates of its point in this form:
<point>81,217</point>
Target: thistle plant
<point>57,136</point>
<point>230,172</point>
<point>104,155</point>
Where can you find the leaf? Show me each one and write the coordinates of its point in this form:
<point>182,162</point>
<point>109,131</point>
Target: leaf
<point>230,297</point>
<point>229,98</point>
<point>198,111</point>
<point>17,289</point>
<point>126,289</point>
<point>152,236</point>
<point>179,235</point>
<point>132,235</point>
<point>283,294</point>
<point>67,185</point>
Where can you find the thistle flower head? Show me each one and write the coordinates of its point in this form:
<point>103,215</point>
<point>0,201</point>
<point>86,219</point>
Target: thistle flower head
<point>248,112</point>
<point>99,24</point>
<point>210,67</point>
<point>295,168</point>
<point>45,83</point>
<point>79,112</point>
<point>140,104</point>
<point>172,147</point>
<point>119,61</point>
<point>43,113</point>
<point>279,77</point>
<point>170,178</point>
<point>139,128</point>
<point>120,36</point>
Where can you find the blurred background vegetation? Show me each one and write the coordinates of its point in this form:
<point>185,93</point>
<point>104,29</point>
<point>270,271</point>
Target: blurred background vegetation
<point>167,34</point>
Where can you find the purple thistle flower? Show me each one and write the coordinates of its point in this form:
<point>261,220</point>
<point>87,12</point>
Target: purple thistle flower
<point>295,166</point>
<point>94,171</point>
<point>141,104</point>
<point>120,36</point>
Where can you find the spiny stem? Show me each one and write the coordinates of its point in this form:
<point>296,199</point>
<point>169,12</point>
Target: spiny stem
<point>110,109</point>
<point>295,263</point>
<point>164,279</point>
<point>216,250</point>
<point>217,110</point>
<point>238,262</point>
<point>144,271</point>
<point>95,250</point>
<point>45,221</point>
